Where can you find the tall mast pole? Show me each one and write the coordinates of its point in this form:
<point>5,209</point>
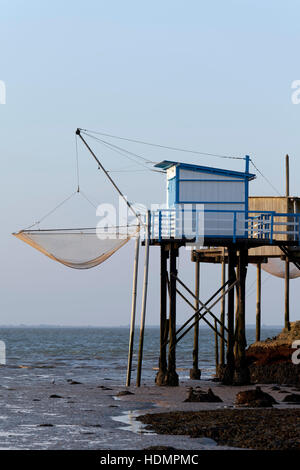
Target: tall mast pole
<point>287,264</point>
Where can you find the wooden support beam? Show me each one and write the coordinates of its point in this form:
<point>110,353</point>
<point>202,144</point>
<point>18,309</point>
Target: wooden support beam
<point>204,306</point>
<point>287,295</point>
<point>236,318</point>
<point>258,301</point>
<point>287,264</point>
<point>144,303</point>
<point>228,376</point>
<point>222,314</point>
<point>241,373</point>
<point>133,308</point>
<point>161,375</point>
<point>171,376</point>
<point>216,345</point>
<point>195,372</point>
<point>197,317</point>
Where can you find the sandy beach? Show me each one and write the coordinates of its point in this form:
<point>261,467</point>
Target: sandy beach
<point>68,414</point>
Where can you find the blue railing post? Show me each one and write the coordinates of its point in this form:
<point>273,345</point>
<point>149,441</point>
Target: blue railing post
<point>234,227</point>
<point>272,225</point>
<point>159,225</point>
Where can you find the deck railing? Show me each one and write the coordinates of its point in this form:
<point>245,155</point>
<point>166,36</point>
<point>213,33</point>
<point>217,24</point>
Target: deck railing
<point>195,224</point>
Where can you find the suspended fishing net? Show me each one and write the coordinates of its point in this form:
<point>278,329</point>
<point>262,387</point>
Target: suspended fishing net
<point>78,249</point>
<point>276,267</point>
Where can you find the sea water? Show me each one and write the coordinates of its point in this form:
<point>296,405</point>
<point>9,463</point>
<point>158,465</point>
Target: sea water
<point>96,353</point>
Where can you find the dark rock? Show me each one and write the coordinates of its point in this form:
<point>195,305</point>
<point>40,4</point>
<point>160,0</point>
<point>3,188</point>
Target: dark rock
<point>199,395</point>
<point>73,382</point>
<point>123,393</point>
<point>171,379</point>
<point>55,396</point>
<point>275,388</point>
<point>46,425</point>
<point>271,361</point>
<point>195,374</point>
<point>104,388</point>
<point>292,398</point>
<point>280,373</point>
<point>254,398</point>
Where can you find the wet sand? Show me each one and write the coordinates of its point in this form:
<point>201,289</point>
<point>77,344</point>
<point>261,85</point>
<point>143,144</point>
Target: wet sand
<point>38,414</point>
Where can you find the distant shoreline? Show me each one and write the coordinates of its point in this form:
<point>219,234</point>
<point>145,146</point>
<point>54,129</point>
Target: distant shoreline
<point>251,325</point>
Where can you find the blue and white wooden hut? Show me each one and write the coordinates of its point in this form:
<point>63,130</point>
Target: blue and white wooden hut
<point>204,201</point>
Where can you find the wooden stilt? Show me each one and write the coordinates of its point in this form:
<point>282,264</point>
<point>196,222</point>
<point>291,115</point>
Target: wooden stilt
<point>216,345</point>
<point>287,264</point>
<point>144,302</point>
<point>287,295</point>
<point>161,375</point>
<point>195,372</point>
<point>258,301</point>
<point>228,375</point>
<point>222,315</point>
<point>172,377</point>
<point>241,375</point>
<point>236,318</point>
<point>133,308</point>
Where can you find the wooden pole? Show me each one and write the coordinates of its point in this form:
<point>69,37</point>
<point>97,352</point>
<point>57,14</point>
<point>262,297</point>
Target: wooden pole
<point>236,318</point>
<point>287,295</point>
<point>133,308</point>
<point>161,375</point>
<point>172,377</point>
<point>287,264</point>
<point>222,315</point>
<point>228,377</point>
<point>241,375</point>
<point>216,345</point>
<point>287,176</point>
<point>144,301</point>
<point>258,301</point>
<point>195,372</point>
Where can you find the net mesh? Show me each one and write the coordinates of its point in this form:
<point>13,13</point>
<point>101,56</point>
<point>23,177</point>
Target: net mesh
<point>276,267</point>
<point>78,248</point>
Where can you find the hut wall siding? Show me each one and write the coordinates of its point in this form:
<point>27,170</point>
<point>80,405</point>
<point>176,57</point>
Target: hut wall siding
<point>277,204</point>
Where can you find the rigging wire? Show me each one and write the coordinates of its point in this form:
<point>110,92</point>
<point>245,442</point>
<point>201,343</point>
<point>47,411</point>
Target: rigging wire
<point>52,210</point>
<point>265,178</point>
<point>146,160</point>
<point>123,152</point>
<point>177,149</point>
<point>251,290</point>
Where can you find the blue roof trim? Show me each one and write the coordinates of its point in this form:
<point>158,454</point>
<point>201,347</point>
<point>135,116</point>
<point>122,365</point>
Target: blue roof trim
<point>165,164</point>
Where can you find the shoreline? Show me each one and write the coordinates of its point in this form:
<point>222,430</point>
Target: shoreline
<point>37,412</point>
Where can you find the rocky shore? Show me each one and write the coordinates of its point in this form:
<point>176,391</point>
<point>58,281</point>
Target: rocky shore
<point>270,361</point>
<point>259,429</point>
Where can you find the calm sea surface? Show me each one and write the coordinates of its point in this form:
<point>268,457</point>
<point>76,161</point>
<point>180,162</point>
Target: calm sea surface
<point>101,353</point>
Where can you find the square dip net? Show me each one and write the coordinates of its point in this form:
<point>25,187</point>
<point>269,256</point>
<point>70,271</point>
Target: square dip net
<point>78,248</point>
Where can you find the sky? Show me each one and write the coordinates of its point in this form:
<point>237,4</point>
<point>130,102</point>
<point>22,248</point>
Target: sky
<point>210,76</point>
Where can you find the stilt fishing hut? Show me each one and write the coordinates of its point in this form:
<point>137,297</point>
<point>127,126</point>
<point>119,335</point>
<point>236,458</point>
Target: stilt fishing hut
<point>209,207</point>
<point>209,210</point>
